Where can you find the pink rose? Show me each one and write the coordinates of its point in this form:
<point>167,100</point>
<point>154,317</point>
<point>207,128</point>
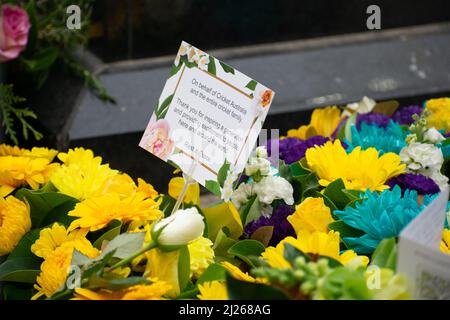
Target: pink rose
<point>14,27</point>
<point>157,139</point>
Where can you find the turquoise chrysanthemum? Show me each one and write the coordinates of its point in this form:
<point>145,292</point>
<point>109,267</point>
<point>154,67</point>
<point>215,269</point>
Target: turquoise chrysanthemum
<point>389,139</point>
<point>380,216</point>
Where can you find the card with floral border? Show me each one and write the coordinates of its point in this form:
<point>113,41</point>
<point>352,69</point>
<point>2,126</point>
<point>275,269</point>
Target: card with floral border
<point>207,119</point>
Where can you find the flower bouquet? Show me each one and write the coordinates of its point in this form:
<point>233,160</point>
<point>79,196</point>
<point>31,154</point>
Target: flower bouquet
<point>320,222</point>
<point>34,40</point>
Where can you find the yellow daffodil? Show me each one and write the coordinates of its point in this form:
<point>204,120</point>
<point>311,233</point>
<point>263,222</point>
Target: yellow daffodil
<point>213,290</point>
<point>223,215</point>
<point>14,223</point>
<point>54,272</point>
<point>154,291</point>
<point>445,243</point>
<point>164,266</point>
<point>323,123</point>
<point>359,170</point>
<point>439,113</point>
<point>201,255</point>
<point>192,194</point>
<point>55,236</point>
<point>82,175</point>
<point>239,274</point>
<point>96,212</point>
<point>22,170</point>
<point>315,243</point>
<point>311,215</point>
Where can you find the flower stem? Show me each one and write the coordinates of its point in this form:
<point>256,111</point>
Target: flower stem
<point>125,261</point>
<point>187,181</point>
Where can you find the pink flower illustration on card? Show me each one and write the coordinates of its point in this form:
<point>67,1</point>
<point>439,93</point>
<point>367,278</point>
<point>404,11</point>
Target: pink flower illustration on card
<point>157,138</point>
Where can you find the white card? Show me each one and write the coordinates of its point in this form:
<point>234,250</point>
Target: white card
<point>419,256</point>
<point>207,119</point>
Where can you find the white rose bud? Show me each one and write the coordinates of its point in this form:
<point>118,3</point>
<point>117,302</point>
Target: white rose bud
<point>181,228</point>
<point>422,156</point>
<point>433,136</point>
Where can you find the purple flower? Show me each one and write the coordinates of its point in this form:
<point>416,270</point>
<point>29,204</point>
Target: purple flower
<point>403,116</point>
<point>447,135</point>
<point>422,184</point>
<point>336,131</point>
<point>378,119</point>
<point>281,227</point>
<point>293,149</point>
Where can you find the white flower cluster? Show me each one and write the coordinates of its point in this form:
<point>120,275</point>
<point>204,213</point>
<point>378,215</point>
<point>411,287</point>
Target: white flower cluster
<point>426,158</point>
<point>366,105</point>
<point>200,58</point>
<point>227,189</point>
<point>264,184</point>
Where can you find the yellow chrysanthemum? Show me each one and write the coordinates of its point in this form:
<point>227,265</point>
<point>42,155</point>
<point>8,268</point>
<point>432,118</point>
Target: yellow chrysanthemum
<point>359,170</point>
<point>36,152</point>
<point>201,255</point>
<point>213,290</point>
<point>95,213</point>
<point>192,194</point>
<point>147,189</point>
<point>14,223</point>
<point>82,175</point>
<point>18,171</point>
<point>239,274</point>
<point>323,123</point>
<point>154,291</point>
<point>54,272</point>
<point>52,238</point>
<point>311,215</point>
<point>315,243</point>
<point>439,113</point>
<point>123,185</point>
<point>445,243</point>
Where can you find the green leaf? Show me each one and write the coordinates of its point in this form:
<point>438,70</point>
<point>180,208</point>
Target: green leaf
<point>345,284</point>
<point>297,169</point>
<point>161,111</point>
<point>23,248</point>
<point>242,290</point>
<point>214,272</point>
<point>291,253</point>
<point>17,291</point>
<point>212,66</point>
<point>33,32</point>
<point>223,172</point>
<point>353,194</point>
<point>42,203</point>
<point>221,246</point>
<point>124,245</point>
<point>167,205</point>
<point>114,230</point>
<point>226,68</point>
<point>20,270</point>
<point>60,214</point>
<point>213,186</point>
<point>344,229</point>
<point>251,85</point>
<point>42,60</point>
<point>184,267</point>
<point>263,235</point>
<point>334,192</point>
<point>245,248</point>
<point>254,212</point>
<point>245,209</point>
<point>328,202</point>
<point>385,255</point>
<point>308,184</point>
<point>175,68</point>
<point>190,292</point>
<point>97,282</point>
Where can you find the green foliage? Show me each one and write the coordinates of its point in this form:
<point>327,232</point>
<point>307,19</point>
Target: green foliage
<point>10,112</point>
<point>385,255</point>
<point>242,290</point>
<point>245,249</point>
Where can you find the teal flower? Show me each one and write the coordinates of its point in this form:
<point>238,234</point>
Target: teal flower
<point>389,139</point>
<point>380,216</point>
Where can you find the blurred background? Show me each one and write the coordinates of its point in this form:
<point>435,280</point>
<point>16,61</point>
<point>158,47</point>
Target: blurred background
<point>311,53</point>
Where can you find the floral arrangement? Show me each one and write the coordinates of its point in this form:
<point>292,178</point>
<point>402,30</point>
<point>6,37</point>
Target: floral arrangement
<point>34,40</point>
<point>321,223</point>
